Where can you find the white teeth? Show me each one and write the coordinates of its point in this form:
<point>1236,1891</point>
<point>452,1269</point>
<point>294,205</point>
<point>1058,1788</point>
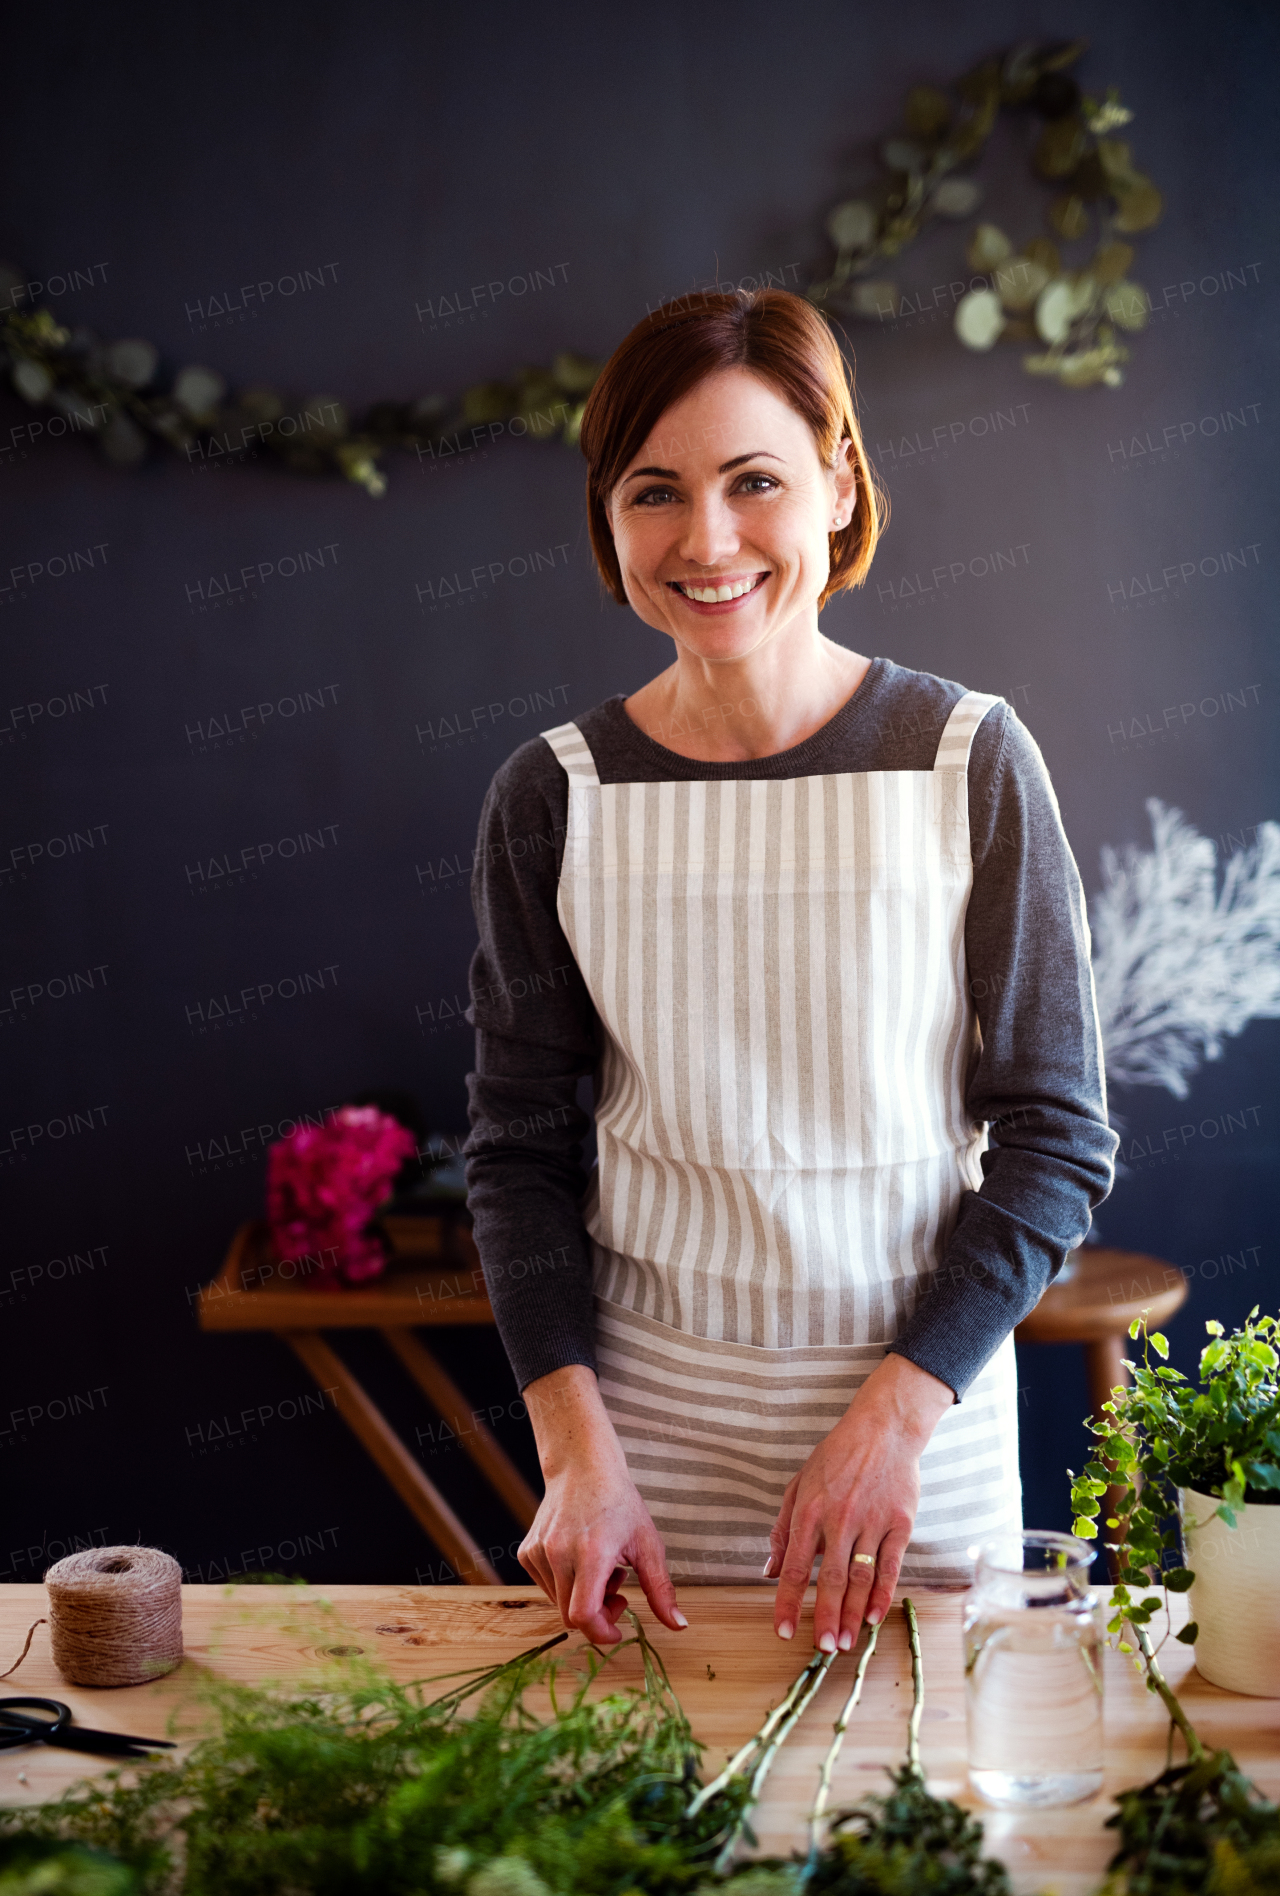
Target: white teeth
<point>714,595</point>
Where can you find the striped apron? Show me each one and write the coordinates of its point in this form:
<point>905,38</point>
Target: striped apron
<point>779,971</point>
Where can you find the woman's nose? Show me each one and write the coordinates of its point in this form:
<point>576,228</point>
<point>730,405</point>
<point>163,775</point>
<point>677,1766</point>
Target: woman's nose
<point>710,535</point>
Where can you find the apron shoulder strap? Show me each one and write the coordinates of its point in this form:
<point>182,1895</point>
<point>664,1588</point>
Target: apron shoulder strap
<point>573,752</point>
<point>957,733</point>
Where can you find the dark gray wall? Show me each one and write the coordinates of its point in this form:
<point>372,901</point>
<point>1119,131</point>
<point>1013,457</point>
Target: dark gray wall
<point>405,156</point>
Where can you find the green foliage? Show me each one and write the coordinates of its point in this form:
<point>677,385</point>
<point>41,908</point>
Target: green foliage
<point>1032,294</point>
<point>921,168</point>
<point>108,392</point>
<point>375,1791</point>
<point>371,1789</point>
<point>1201,1828</point>
<point>1198,1827</point>
<point>1221,1438</point>
<point>36,1866</point>
<point>908,1843</point>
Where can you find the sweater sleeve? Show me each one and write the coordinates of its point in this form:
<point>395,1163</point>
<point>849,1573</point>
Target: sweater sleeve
<point>536,1036</point>
<point>1038,1079</point>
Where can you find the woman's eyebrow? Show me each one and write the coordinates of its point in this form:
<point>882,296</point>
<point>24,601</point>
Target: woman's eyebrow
<point>726,467</point>
<point>757,454</point>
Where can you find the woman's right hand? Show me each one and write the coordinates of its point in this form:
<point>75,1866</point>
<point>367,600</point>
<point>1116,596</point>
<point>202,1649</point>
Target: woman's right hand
<point>592,1523</point>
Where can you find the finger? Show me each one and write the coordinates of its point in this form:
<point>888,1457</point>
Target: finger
<point>615,1600</point>
<point>780,1532</point>
<point>833,1583</point>
<point>650,1563</point>
<point>531,1558</point>
<point>860,1580</point>
<point>560,1566</point>
<point>797,1565</point>
<point>586,1613</point>
<point>893,1550</point>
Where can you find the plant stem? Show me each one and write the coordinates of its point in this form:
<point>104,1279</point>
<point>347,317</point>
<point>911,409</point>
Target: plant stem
<point>917,1692</point>
<point>657,1682</point>
<point>808,1683</point>
<point>799,1706</point>
<point>1158,1682</point>
<point>762,1737</point>
<point>833,1752</point>
<point>486,1675</point>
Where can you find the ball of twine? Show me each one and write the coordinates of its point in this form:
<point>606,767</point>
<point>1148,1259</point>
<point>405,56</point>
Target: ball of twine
<point>115,1615</point>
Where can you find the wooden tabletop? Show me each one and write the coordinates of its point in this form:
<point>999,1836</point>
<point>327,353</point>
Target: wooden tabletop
<point>728,1669</point>
<point>433,1278</point>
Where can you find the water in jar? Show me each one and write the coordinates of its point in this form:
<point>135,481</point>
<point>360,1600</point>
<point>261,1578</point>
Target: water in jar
<point>1033,1680</point>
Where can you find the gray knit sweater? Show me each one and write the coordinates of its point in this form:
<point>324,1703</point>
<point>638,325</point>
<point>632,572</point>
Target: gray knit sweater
<point>1037,1082</point>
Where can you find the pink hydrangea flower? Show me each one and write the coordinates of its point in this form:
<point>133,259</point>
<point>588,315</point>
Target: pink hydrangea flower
<point>324,1184</point>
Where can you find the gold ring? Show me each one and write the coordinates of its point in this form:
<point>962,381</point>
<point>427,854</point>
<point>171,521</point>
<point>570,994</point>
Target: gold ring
<point>867,1560</point>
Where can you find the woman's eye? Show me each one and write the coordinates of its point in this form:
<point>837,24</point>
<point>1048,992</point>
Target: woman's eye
<point>750,484</point>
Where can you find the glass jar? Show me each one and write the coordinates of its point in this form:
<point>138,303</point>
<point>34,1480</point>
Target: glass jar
<point>1033,1638</point>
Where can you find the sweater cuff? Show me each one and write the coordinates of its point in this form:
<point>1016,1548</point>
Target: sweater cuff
<point>544,1311</point>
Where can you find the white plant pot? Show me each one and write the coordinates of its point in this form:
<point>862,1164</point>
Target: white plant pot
<point>1236,1597</point>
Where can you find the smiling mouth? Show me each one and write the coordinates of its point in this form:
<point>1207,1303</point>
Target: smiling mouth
<point>717,592</point>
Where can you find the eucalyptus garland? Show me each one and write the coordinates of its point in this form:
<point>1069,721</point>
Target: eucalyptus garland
<point>1021,295</point>
<point>108,390</point>
<point>114,392</point>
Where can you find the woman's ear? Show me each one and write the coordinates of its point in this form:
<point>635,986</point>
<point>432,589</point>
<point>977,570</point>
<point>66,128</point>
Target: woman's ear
<point>846,477</point>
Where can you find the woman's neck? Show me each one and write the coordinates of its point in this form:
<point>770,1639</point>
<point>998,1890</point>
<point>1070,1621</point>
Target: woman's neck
<point>768,702</point>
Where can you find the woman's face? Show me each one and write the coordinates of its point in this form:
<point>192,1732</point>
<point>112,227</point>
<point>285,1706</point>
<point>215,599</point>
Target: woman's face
<point>728,495</point>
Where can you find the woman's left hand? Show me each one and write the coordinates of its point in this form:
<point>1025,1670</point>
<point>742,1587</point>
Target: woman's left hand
<point>857,1494</point>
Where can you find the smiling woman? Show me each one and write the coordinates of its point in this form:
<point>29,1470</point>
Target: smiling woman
<point>788,347</point>
<point>828,965</point>
<point>732,556</point>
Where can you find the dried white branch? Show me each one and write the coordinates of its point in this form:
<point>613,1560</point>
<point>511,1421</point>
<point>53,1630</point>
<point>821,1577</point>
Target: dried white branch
<point>1179,964</point>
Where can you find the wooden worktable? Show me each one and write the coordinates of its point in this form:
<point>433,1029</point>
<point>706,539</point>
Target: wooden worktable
<point>728,1669</point>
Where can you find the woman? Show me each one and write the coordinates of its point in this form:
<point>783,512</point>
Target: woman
<point>811,921</point>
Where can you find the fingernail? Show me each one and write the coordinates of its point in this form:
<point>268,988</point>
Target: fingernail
<point>678,1617</point>
<point>846,1640</point>
<point>827,1643</point>
<point>768,1567</point>
<point>785,1630</point>
<point>873,1617</point>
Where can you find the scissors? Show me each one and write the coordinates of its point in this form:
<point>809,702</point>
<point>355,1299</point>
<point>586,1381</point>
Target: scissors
<point>23,1721</point>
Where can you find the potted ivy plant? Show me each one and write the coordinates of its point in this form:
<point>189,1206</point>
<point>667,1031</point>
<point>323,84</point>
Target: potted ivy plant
<point>1200,1465</point>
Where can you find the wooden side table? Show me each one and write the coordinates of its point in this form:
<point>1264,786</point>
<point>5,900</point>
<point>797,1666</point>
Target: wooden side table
<point>433,1279</point>
<point>1094,1304</point>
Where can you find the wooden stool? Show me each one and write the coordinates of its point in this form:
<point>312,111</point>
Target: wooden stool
<point>1094,1304</point>
<point>433,1278</point>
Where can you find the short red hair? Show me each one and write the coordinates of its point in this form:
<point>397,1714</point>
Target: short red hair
<point>779,337</point>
